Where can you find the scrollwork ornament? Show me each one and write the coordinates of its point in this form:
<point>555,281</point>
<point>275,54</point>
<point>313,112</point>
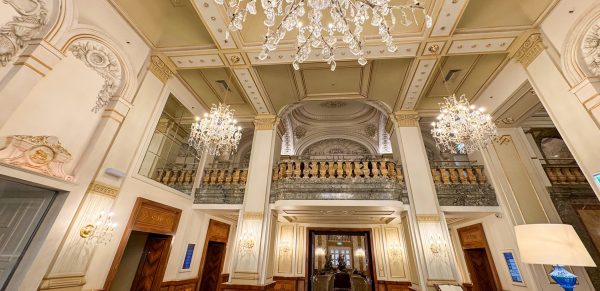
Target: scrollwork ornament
<point>33,15</point>
<point>591,49</point>
<point>105,63</point>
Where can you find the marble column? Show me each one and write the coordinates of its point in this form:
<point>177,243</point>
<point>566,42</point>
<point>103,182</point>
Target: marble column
<point>252,258</point>
<point>575,122</point>
<point>434,255</point>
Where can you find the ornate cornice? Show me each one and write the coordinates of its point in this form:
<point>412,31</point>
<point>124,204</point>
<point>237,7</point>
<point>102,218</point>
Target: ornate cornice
<point>428,217</point>
<point>265,122</point>
<point>407,118</point>
<point>100,188</point>
<point>530,49</point>
<point>160,69</point>
<point>253,215</point>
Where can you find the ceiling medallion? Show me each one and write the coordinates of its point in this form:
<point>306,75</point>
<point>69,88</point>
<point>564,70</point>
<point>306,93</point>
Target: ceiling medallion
<point>347,18</point>
<point>462,128</point>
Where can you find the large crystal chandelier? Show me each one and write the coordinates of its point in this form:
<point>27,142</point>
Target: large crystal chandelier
<point>461,127</point>
<point>347,18</point>
<point>217,132</point>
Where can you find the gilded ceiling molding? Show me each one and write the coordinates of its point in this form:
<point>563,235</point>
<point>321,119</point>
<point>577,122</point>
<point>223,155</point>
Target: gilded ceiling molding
<point>160,69</point>
<point>43,154</point>
<point>530,49</point>
<point>101,188</point>
<point>265,122</point>
<point>253,215</point>
<point>33,15</point>
<point>407,118</point>
<point>102,60</point>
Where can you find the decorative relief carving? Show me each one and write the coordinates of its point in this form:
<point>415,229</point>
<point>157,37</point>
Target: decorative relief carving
<point>428,217</point>
<point>14,34</point>
<point>371,130</point>
<point>160,69</point>
<point>503,139</point>
<point>333,104</point>
<point>105,63</point>
<point>300,131</point>
<point>101,188</point>
<point>265,122</point>
<point>530,49</point>
<point>253,215</point>
<point>336,146</point>
<point>42,154</point>
<point>407,119</point>
<point>591,49</point>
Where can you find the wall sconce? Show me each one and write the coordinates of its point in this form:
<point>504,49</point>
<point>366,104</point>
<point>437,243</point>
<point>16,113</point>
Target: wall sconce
<point>395,251</point>
<point>247,242</point>
<point>100,232</point>
<point>320,252</point>
<point>360,252</point>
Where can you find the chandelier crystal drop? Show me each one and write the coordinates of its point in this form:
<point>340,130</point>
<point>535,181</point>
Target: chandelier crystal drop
<point>461,127</point>
<point>347,20</point>
<point>217,132</point>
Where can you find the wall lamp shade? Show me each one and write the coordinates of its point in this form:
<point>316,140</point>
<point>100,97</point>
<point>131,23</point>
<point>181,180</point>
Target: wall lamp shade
<point>551,244</point>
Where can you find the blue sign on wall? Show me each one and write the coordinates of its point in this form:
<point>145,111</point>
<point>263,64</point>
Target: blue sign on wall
<point>597,179</point>
<point>513,269</point>
<point>189,253</point>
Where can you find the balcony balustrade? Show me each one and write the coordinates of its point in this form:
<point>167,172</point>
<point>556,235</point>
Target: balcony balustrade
<point>563,172</point>
<point>179,179</point>
<point>462,184</point>
<point>222,184</point>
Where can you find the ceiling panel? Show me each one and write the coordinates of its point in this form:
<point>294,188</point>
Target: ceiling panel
<point>320,81</point>
<point>167,23</point>
<point>278,81</point>
<point>498,13</point>
<point>387,77</point>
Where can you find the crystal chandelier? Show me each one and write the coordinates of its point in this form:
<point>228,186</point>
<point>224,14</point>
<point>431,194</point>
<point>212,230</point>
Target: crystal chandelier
<point>217,132</point>
<point>347,20</point>
<point>462,128</point>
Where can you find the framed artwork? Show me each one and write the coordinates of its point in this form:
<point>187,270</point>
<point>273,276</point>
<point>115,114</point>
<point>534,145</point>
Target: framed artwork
<point>187,259</point>
<point>513,267</point>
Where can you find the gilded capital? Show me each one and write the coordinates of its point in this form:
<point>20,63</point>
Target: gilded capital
<point>530,49</point>
<point>160,69</point>
<point>407,118</point>
<point>100,188</point>
<point>265,122</point>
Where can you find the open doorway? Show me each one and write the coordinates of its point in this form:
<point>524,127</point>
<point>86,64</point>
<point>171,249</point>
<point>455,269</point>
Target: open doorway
<point>215,248</point>
<point>340,260</point>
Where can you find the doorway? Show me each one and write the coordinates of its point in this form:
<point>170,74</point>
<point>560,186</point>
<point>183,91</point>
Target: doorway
<point>478,258</point>
<point>340,260</point>
<point>213,256</point>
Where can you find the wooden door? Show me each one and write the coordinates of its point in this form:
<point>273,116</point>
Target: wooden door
<point>152,264</point>
<point>213,265</point>
<point>478,265</point>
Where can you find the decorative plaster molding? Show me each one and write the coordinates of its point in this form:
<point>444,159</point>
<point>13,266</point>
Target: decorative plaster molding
<point>407,118</point>
<point>417,83</point>
<point>14,34</point>
<point>42,154</point>
<point>160,69</point>
<point>590,47</point>
<point>253,215</point>
<point>265,122</point>
<point>428,217</point>
<point>105,63</point>
<point>105,189</point>
<point>503,139</point>
<point>62,282</point>
<point>530,49</point>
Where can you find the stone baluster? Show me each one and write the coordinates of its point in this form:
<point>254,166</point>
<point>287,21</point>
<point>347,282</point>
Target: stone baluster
<point>297,169</point>
<point>236,176</point>
<point>436,176</point>
<point>213,176</point>
<point>348,169</point>
<point>399,176</point>
<point>314,170</point>
<point>275,176</point>
<point>206,177</point>
<point>331,169</point>
<point>562,179</point>
<point>167,177</point>
<point>453,175</point>
<point>374,169</point>
<point>462,176</point>
<point>480,176</point>
<point>227,177</point>
<point>322,169</point>
<point>366,170</point>
<point>173,179</point>
<point>445,176</point>
<point>289,169</point>
<point>383,168</point>
<point>159,174</point>
<point>571,179</point>
<point>580,178</point>
<point>305,170</point>
<point>244,177</point>
<point>391,170</point>
<point>553,179</point>
<point>281,170</point>
<point>339,171</point>
<point>180,177</point>
<point>471,176</point>
<point>357,169</point>
<point>221,177</point>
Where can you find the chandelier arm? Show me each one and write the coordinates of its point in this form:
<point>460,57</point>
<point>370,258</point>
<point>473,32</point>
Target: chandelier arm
<point>343,17</point>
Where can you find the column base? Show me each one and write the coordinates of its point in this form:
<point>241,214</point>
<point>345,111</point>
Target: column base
<point>241,287</point>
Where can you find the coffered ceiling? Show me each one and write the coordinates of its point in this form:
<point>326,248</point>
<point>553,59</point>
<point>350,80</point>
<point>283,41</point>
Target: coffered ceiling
<point>469,43</point>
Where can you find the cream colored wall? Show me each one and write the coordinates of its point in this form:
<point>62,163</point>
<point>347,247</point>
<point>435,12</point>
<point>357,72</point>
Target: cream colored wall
<point>130,261</point>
